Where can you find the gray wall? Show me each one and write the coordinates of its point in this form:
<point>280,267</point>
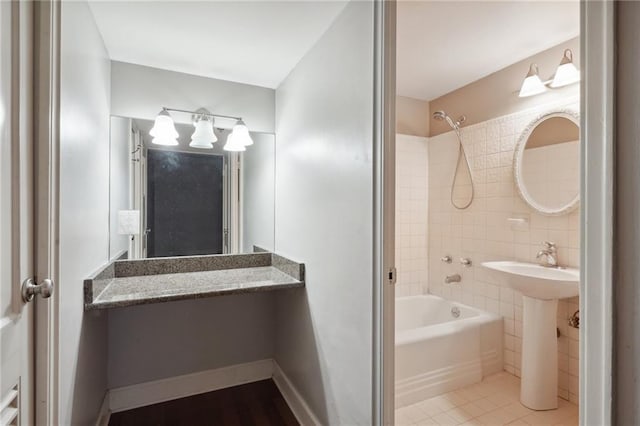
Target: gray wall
<point>152,342</point>
<point>626,389</point>
<point>140,92</point>
<point>84,211</point>
<point>258,193</point>
<point>324,215</point>
<point>120,183</point>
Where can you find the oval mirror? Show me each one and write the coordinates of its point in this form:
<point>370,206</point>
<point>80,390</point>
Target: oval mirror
<point>547,163</point>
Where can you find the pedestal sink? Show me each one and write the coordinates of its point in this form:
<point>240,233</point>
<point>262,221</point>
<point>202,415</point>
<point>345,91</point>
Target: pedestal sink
<point>541,287</point>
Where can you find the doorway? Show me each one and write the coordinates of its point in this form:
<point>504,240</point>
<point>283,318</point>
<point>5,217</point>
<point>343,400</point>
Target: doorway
<point>596,138</point>
<point>185,204</point>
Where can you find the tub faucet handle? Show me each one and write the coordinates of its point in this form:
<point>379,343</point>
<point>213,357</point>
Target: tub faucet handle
<point>466,262</point>
<point>446,259</point>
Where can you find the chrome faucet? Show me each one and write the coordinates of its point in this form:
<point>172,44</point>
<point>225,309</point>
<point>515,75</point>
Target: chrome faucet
<point>548,256</point>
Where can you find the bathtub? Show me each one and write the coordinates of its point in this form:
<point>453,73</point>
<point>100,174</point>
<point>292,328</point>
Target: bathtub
<point>442,346</point>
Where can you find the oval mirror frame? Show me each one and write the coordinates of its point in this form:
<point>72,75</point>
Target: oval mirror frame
<point>571,115</point>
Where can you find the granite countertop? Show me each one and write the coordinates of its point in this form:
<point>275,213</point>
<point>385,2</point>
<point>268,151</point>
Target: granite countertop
<point>128,283</point>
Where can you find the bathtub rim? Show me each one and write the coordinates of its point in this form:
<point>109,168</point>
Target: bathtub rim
<point>413,335</point>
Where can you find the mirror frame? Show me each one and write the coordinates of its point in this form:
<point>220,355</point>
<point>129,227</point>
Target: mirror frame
<point>517,163</point>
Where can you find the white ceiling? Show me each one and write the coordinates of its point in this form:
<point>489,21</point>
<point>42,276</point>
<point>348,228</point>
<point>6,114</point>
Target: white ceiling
<point>444,45</point>
<point>252,42</point>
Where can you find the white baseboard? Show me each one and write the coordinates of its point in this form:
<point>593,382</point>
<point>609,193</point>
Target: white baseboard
<point>298,405</point>
<point>436,382</point>
<point>143,394</point>
<point>148,393</point>
<point>105,413</point>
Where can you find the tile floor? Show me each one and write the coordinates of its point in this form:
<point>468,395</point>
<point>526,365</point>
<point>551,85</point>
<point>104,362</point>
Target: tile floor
<point>493,402</point>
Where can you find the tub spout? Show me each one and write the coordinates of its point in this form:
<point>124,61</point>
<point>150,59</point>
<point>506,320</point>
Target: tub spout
<point>455,278</point>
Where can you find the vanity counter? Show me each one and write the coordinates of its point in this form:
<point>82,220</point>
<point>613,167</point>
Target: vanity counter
<point>137,282</point>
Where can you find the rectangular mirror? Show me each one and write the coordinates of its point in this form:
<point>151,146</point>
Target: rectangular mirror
<point>183,201</point>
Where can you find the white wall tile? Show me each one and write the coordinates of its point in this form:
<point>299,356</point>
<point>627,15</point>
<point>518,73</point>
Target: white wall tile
<point>412,215</point>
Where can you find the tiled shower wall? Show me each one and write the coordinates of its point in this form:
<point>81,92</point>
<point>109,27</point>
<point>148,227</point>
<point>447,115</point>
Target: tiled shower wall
<point>411,215</point>
<point>482,233</point>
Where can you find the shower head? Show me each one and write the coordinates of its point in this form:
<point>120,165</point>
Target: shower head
<point>441,115</point>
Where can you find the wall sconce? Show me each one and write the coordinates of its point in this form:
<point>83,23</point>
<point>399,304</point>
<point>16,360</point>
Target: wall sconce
<point>532,85</point>
<point>164,131</point>
<point>240,134</point>
<point>203,137</point>
<point>233,144</point>
<point>565,74</point>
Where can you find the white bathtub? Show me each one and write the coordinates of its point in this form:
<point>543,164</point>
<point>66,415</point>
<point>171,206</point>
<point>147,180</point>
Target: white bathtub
<point>437,352</point>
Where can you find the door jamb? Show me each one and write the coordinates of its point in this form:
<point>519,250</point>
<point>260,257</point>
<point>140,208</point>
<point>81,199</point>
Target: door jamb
<point>46,119</point>
<point>383,385</point>
<point>596,287</point>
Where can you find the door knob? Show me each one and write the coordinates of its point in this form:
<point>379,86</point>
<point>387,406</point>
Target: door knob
<point>30,289</point>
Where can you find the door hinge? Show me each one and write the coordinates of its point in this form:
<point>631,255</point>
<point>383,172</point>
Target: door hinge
<point>392,275</point>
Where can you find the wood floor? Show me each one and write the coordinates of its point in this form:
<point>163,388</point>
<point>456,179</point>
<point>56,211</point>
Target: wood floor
<point>259,404</point>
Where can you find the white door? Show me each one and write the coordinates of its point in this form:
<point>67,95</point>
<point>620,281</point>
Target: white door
<point>24,235</point>
<point>17,248</point>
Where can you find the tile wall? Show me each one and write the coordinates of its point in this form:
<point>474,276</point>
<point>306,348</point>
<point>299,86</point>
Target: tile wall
<point>411,215</point>
<point>482,233</point>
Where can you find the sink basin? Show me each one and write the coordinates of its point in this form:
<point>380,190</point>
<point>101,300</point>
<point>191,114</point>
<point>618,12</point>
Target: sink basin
<point>538,281</point>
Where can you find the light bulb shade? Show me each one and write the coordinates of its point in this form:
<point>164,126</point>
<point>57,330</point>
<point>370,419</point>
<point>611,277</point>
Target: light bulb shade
<point>163,126</point>
<point>233,145</point>
<point>567,73</point>
<point>160,140</point>
<point>241,134</point>
<point>532,85</point>
<point>203,137</point>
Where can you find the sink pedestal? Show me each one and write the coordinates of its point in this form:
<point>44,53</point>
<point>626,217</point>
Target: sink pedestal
<point>541,287</point>
<point>539,369</point>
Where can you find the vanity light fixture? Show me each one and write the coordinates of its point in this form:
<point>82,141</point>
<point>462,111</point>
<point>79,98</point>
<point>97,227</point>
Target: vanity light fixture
<point>567,73</point>
<point>532,85</point>
<point>203,137</point>
<point>164,131</point>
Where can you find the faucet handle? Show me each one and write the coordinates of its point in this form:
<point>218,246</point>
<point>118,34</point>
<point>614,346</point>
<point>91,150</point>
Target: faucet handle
<point>549,245</point>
